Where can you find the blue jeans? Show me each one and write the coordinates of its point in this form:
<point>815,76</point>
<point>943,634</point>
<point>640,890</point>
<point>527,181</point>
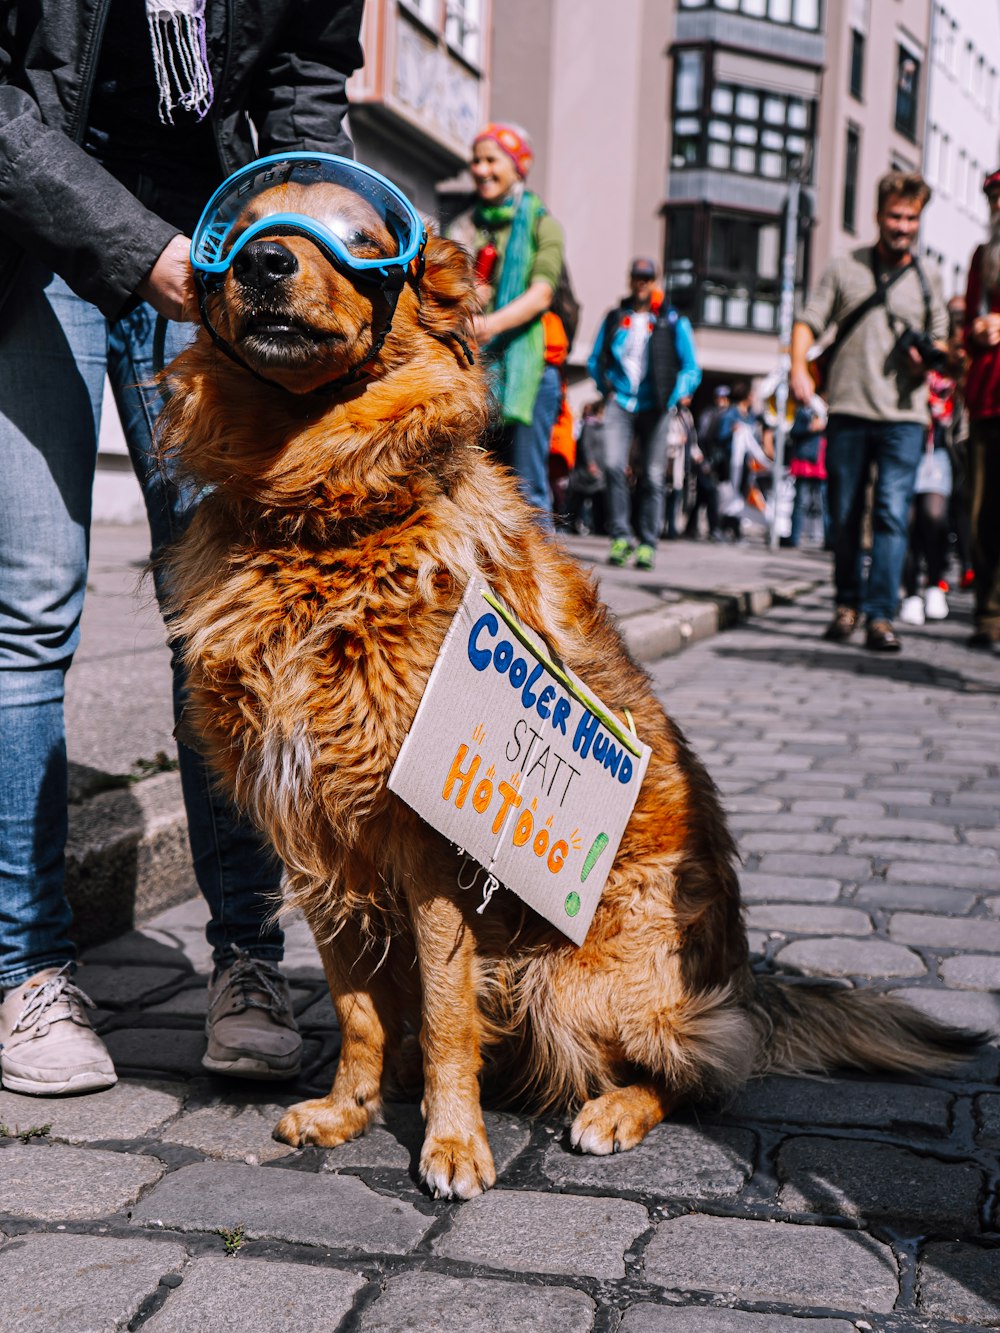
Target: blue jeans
<point>806,488</point>
<point>526,448</point>
<point>649,430</point>
<point>853,444</point>
<point>54,351</point>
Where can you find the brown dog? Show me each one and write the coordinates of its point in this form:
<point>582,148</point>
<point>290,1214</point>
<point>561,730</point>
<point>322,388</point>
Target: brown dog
<point>312,592</point>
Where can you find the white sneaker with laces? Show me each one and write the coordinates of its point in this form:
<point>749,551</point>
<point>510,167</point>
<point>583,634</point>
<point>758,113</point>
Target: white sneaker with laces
<point>935,603</point>
<point>250,1025</point>
<point>912,610</point>
<point>47,1046</point>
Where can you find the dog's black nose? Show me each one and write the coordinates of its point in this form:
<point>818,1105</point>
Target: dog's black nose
<point>263,263</point>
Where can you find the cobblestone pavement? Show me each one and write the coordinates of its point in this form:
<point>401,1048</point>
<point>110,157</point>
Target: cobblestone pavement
<point>864,792</point>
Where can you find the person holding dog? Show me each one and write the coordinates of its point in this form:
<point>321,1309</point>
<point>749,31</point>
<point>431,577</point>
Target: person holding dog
<point>644,363</point>
<point>519,254</point>
<point>891,321</point>
<point>116,123</point>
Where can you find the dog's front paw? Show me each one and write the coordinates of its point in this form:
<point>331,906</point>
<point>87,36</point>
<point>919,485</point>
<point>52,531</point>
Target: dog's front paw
<point>457,1168</point>
<point>323,1123</point>
<point>617,1121</point>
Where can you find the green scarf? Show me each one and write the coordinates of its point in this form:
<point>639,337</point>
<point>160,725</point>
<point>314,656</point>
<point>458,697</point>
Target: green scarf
<point>517,358</point>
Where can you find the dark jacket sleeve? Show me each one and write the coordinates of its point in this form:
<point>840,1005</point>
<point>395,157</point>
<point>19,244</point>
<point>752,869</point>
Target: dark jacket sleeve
<point>299,96</point>
<point>63,208</point>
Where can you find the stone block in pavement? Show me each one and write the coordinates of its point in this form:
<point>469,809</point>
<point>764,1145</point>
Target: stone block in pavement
<point>337,1211</point>
<point>915,829</point>
<point>655,634</point>
<point>756,887</point>
<point>942,932</point>
<point>768,840</point>
<point>710,1319</point>
<point>985,878</point>
<point>843,1102</point>
<point>687,1160</point>
<point>125,987</point>
<point>971,971</point>
<point>61,1184</point>
<point>807,920</point>
<point>959,1282</point>
<point>962,1008</point>
<point>63,1283</point>
<point>878,1182</point>
<point>242,1295</point>
<point>988,1119</point>
<point>545,1233</point>
<point>231,1133</point>
<point>928,897</point>
<point>814,865</point>
<point>166,1051</point>
<point>888,849</point>
<point>850,958</point>
<point>773,1261</point>
<point>862,808</point>
<point>127,1111</point>
<point>397,1142</point>
<point>416,1302</point>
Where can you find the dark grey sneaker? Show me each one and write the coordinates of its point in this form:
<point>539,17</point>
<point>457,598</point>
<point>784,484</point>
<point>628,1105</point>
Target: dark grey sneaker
<point>250,1026</point>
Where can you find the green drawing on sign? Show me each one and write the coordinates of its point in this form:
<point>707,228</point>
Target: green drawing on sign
<point>572,904</point>
<point>600,842</point>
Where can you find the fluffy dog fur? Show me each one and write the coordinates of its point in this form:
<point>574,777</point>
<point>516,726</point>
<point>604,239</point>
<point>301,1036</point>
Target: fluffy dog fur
<point>312,592</point>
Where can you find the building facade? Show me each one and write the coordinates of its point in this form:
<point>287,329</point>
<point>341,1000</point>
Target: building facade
<point>962,143</point>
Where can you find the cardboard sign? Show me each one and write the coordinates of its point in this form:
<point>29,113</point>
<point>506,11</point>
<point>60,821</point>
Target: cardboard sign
<point>517,763</point>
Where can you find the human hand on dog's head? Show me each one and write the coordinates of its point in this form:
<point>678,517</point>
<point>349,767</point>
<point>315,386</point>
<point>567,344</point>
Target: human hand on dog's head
<point>169,284</point>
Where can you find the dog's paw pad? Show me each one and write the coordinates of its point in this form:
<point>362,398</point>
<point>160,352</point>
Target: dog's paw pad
<point>322,1124</point>
<point>457,1168</point>
<point>612,1123</point>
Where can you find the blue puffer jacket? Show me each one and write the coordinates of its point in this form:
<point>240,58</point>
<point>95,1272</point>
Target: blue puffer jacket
<point>605,365</point>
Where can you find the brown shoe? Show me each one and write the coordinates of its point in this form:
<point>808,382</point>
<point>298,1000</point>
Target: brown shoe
<point>843,625</point>
<point>881,638</point>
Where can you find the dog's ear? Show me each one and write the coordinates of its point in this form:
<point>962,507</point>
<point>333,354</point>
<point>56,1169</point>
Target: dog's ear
<point>447,290</point>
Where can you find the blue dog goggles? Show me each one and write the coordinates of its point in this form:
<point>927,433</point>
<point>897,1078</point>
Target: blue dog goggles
<point>370,231</point>
<point>236,214</point>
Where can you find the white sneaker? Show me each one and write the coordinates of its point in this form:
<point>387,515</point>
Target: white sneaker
<point>935,603</point>
<point>47,1046</point>
<point>912,610</point>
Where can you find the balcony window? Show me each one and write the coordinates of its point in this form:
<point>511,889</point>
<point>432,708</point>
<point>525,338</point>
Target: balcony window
<point>907,92</point>
<point>754,133</point>
<point>463,29</point>
<point>796,13</point>
<point>687,77</point>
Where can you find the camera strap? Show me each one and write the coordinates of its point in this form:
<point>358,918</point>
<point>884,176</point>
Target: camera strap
<point>876,298</point>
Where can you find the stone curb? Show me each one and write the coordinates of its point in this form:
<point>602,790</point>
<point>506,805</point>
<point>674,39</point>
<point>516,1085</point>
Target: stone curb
<point>127,857</point>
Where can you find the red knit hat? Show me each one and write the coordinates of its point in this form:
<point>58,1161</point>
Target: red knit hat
<point>512,140</point>
<point>992,182</point>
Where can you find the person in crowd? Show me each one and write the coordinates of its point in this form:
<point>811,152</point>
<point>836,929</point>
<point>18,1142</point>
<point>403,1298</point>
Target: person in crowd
<point>586,489</point>
<point>706,493</point>
<point>891,321</point>
<point>738,446</point>
<point>644,363</point>
<point>807,467</point>
<point>928,544</point>
<point>982,401</point>
<point>519,255</point>
<point>958,444</point>
<point>682,441</point>
<point>116,124</point>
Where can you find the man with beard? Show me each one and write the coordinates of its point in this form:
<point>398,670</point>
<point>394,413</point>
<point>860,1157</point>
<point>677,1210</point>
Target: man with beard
<point>891,318</point>
<point>982,398</point>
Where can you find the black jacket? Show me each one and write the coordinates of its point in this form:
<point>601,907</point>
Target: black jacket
<point>283,63</point>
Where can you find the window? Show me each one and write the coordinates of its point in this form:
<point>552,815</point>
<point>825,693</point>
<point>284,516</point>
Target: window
<point>857,63</point>
<point>944,163</point>
<point>797,13</point>
<point>907,92</point>
<point>428,10</point>
<point>852,152</point>
<point>463,28</point>
<point>750,131</point>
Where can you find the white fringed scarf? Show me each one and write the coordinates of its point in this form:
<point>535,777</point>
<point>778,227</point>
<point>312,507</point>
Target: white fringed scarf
<point>180,56</point>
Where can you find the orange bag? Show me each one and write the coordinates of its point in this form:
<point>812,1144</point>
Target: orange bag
<point>556,342</point>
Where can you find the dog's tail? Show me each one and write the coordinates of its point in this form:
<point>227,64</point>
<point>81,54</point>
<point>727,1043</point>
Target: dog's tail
<point>816,1028</point>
